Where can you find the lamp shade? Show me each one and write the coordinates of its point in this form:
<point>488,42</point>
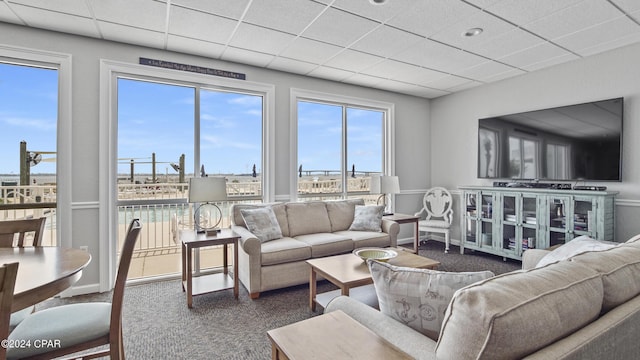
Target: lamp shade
<point>384,185</point>
<point>207,189</point>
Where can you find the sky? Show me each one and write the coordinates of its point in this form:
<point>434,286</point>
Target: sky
<point>159,118</point>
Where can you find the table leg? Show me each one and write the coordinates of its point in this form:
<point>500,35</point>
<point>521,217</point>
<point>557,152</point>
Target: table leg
<point>416,237</point>
<point>184,266</point>
<point>236,285</point>
<point>312,290</point>
<point>344,290</point>
<point>189,277</point>
<point>225,260</point>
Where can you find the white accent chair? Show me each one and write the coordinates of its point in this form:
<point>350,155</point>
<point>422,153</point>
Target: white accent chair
<point>437,204</point>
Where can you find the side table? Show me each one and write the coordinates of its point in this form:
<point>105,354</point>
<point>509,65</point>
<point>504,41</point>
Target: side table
<point>203,284</point>
<point>407,219</point>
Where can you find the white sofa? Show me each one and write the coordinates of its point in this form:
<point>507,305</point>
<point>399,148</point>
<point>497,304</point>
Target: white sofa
<point>583,307</point>
<point>309,230</point>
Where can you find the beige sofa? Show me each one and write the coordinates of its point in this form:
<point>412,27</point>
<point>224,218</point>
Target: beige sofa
<point>309,230</point>
<point>583,307</point>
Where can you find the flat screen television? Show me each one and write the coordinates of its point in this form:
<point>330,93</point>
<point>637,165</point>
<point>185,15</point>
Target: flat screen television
<point>581,142</point>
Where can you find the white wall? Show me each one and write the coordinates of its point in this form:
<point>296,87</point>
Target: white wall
<point>411,120</point>
<point>454,120</point>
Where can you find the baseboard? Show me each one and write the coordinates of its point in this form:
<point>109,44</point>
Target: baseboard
<point>409,240</point>
<point>80,290</point>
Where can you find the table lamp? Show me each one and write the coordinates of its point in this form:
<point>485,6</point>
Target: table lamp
<point>206,190</point>
<point>384,185</point>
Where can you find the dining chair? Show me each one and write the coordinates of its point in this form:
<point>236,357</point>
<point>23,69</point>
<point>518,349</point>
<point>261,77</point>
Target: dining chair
<point>437,204</point>
<point>8,273</point>
<point>82,326</point>
<point>10,228</point>
<point>13,233</point>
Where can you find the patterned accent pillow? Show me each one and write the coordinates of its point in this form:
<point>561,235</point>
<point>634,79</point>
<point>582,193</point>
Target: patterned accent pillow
<point>367,218</point>
<point>262,222</point>
<point>418,298</point>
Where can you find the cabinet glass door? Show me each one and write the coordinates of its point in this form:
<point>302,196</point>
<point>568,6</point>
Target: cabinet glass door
<point>510,222</point>
<point>529,222</point>
<point>583,210</point>
<point>471,217</point>
<point>557,221</point>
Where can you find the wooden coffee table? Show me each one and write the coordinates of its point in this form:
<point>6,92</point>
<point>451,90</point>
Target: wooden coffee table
<point>349,272</point>
<point>330,336</point>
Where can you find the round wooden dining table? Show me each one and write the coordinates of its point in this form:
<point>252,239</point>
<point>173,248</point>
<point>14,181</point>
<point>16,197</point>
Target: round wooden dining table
<point>43,272</point>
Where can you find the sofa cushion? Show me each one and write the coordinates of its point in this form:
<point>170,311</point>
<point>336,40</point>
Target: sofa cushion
<point>307,218</point>
<point>619,267</point>
<point>367,218</point>
<point>278,209</point>
<point>512,315</point>
<point>579,245</point>
<point>418,298</point>
<point>325,244</point>
<point>366,238</point>
<point>262,223</point>
<point>341,213</point>
<point>284,250</point>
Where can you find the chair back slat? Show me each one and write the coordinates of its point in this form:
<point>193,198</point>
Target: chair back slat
<point>8,273</point>
<point>9,229</point>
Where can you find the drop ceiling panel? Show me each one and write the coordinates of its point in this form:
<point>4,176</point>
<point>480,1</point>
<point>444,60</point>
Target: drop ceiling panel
<point>352,60</point>
<point>72,7</point>
<point>364,80</point>
<point>599,34</point>
<point>56,21</point>
<point>534,54</point>
<point>260,39</point>
<point>310,51</point>
<point>147,14</point>
<point>434,55</point>
<point>291,65</point>
<point>121,33</point>
<point>613,44</point>
<point>290,16</point>
<point>526,11</point>
<point>492,26</point>
<point>7,15</point>
<point>244,56</point>
<point>485,71</point>
<point>578,17</point>
<point>325,72</point>
<point>448,82</point>
<point>199,25</point>
<point>351,27</point>
<point>198,47</point>
<point>504,44</point>
<point>231,9</point>
<point>628,5</point>
<point>396,70</point>
<point>550,62</point>
<point>380,13</point>
<point>386,41</point>
<point>427,17</point>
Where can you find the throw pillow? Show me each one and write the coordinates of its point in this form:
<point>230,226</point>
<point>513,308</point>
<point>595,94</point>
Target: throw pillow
<point>262,222</point>
<point>579,245</point>
<point>367,218</point>
<point>418,298</point>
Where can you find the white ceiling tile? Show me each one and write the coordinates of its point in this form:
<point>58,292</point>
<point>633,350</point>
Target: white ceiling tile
<point>310,51</point>
<point>72,7</point>
<point>325,72</point>
<point>483,4</point>
<point>366,9</point>
<point>599,34</point>
<point>352,60</point>
<point>427,17</point>
<point>197,47</point>
<point>147,14</point>
<point>610,45</point>
<point>505,44</point>
<point>248,57</point>
<point>339,27</point>
<point>198,25</point>
<point>56,21</point>
<point>580,16</point>
<point>130,35</point>
<point>628,5</point>
<point>402,87</point>
<point>399,71</point>
<point>465,86</point>
<point>386,41</point>
<point>6,15</point>
<point>448,82</point>
<point>232,9</point>
<point>504,75</point>
<point>550,62</point>
<point>434,55</point>
<point>525,11</point>
<point>492,26</point>
<point>290,16</point>
<point>533,55</point>
<point>485,71</point>
<point>260,39</point>
<point>291,65</point>
<point>364,80</point>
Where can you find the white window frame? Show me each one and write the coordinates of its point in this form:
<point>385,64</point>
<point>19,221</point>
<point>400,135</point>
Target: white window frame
<point>110,71</point>
<point>388,147</point>
<point>62,63</point>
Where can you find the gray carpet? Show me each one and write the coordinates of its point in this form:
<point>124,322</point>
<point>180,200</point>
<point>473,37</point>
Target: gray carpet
<point>158,324</point>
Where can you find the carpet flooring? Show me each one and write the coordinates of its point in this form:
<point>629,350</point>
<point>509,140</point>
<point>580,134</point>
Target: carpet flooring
<point>158,325</point>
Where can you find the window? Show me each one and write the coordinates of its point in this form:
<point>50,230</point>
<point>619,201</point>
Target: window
<point>341,143</point>
<point>29,120</point>
<point>558,161</point>
<point>488,148</point>
<point>523,158</point>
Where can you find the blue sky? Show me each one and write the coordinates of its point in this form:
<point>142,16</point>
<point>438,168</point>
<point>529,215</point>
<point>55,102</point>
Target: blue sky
<point>159,118</point>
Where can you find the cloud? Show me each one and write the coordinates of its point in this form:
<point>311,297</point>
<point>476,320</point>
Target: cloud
<point>213,141</point>
<point>33,124</point>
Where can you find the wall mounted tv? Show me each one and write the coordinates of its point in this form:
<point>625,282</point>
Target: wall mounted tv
<point>580,142</point>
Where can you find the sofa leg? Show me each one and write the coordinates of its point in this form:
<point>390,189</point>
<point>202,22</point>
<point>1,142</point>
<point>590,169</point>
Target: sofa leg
<point>254,295</point>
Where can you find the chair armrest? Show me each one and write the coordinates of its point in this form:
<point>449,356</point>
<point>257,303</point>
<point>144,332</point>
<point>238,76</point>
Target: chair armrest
<point>249,242</point>
<point>393,229</point>
<point>531,257</point>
